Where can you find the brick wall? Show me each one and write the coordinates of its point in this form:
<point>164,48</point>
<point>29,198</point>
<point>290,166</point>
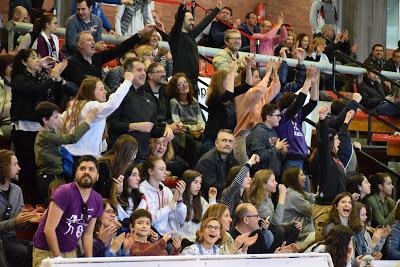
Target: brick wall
<point>296,11</point>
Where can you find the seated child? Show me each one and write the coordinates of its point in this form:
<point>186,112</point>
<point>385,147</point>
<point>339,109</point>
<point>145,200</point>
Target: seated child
<point>48,157</point>
<point>141,229</point>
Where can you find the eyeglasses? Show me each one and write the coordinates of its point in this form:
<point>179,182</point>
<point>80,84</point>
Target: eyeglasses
<point>253,216</point>
<point>211,227</point>
<point>85,212</point>
<point>159,71</point>
<point>110,212</point>
<point>7,215</point>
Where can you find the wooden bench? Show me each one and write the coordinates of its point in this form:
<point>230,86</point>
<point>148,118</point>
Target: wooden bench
<point>360,123</point>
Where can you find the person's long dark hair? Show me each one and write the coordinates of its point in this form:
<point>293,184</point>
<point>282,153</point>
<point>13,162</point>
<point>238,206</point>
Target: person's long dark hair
<point>22,56</point>
<point>127,194</point>
<point>290,178</point>
<point>193,203</point>
<point>117,160</point>
<point>334,214</point>
<point>337,243</point>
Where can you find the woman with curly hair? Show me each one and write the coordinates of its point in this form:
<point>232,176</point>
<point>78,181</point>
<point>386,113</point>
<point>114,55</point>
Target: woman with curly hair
<point>303,41</point>
<point>185,110</point>
<point>184,106</point>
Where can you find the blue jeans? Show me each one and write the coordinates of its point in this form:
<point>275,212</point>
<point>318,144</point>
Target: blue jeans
<point>300,164</point>
<point>207,143</point>
<point>388,109</point>
<point>268,237</point>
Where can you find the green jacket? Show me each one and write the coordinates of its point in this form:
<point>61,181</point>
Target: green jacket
<point>383,212</point>
<point>47,149</point>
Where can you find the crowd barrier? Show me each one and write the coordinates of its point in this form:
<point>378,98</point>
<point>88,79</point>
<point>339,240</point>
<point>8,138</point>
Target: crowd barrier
<point>276,260</point>
<point>385,263</point>
<point>210,52</point>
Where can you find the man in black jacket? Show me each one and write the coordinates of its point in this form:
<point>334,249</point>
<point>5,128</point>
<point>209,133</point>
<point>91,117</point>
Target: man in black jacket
<point>393,64</point>
<point>183,44</point>
<point>216,163</point>
<point>377,56</point>
<point>374,97</point>
<point>155,86</point>
<point>247,221</point>
<point>137,114</point>
<point>218,28</point>
<point>87,62</point>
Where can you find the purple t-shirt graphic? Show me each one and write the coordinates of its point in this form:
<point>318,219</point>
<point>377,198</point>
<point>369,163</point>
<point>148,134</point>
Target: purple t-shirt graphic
<point>72,223</point>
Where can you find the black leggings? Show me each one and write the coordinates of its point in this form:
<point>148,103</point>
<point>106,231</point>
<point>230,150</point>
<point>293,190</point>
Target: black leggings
<point>23,143</point>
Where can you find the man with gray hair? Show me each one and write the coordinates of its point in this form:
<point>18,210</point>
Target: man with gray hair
<point>335,40</point>
<point>88,62</point>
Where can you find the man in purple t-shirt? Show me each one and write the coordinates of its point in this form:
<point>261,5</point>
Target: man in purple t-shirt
<point>71,215</point>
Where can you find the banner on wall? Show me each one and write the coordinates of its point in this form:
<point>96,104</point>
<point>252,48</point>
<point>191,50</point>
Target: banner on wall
<point>203,93</point>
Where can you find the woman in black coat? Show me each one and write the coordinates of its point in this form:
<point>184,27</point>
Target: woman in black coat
<point>31,84</point>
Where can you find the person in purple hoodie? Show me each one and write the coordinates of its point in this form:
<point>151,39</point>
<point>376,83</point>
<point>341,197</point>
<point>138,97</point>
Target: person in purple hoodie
<point>71,215</point>
<point>293,114</point>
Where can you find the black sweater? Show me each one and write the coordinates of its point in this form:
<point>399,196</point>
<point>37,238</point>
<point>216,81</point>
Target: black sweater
<point>327,171</point>
<point>183,45</point>
<point>222,112</point>
<point>372,93</point>
<point>28,90</point>
<point>78,68</point>
<point>137,106</point>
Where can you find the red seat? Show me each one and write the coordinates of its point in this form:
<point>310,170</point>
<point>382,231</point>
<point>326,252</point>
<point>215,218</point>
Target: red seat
<point>393,146</point>
<point>379,137</point>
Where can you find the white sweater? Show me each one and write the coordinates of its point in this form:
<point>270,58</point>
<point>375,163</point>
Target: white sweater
<point>92,142</point>
<point>165,219</point>
<point>188,229</point>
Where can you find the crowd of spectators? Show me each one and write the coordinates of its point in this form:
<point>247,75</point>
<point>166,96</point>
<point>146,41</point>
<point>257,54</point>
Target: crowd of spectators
<point>122,162</point>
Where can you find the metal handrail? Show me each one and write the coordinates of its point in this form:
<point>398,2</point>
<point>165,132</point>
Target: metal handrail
<point>370,113</point>
<point>208,51</point>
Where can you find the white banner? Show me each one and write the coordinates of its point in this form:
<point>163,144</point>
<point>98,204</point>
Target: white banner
<point>276,260</point>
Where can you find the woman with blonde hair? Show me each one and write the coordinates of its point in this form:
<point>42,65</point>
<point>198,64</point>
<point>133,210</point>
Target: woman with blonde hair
<point>159,54</point>
<point>92,94</point>
<point>230,245</point>
<point>319,44</point>
<point>208,238</point>
<point>161,148</point>
<point>145,53</point>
